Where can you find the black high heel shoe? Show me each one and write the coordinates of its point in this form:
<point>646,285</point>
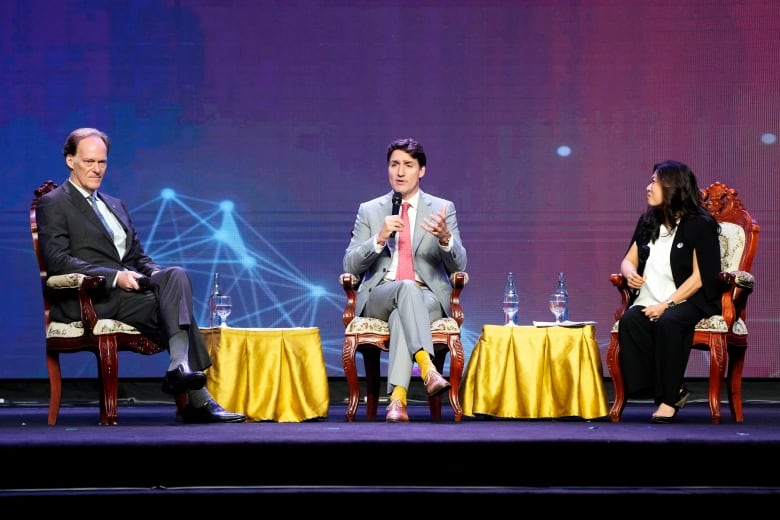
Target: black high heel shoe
<point>665,419</point>
<point>682,398</point>
<point>662,419</point>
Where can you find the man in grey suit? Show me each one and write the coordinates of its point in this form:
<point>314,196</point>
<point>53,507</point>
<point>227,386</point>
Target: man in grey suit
<point>81,231</point>
<point>408,305</point>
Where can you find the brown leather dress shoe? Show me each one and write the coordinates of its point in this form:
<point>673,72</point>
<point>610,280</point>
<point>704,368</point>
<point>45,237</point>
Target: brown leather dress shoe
<point>435,383</point>
<point>396,412</point>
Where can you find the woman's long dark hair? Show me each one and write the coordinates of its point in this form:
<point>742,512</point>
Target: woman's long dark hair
<point>681,198</point>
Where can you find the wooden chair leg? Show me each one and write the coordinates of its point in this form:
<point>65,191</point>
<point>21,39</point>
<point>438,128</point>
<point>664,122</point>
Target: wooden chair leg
<point>736,363</point>
<point>455,350</point>
<point>350,372</point>
<point>717,373</point>
<point>108,359</point>
<point>613,365</point>
<point>55,385</point>
<point>434,403</point>
<point>457,359</point>
<point>181,401</point>
<point>373,378</point>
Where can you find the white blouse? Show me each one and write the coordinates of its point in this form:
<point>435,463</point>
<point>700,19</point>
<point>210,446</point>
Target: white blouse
<point>659,282</point>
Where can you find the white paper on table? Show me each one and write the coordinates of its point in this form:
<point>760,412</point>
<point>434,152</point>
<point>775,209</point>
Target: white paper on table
<point>566,323</point>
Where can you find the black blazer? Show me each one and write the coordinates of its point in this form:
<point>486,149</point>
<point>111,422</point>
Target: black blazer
<point>693,233</point>
<point>73,240</point>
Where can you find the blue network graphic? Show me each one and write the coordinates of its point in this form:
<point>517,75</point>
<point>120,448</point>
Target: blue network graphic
<point>268,290</point>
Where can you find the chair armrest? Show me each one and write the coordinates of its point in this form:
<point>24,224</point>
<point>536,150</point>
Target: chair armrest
<point>737,286</point>
<point>458,280</point>
<point>83,284</point>
<point>621,284</point>
<point>743,280</point>
<point>350,283</point>
<point>743,287</point>
<point>75,281</point>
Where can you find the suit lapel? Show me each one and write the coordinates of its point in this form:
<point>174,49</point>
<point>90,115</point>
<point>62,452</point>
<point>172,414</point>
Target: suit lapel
<point>423,210</point>
<point>85,208</point>
<point>114,207</point>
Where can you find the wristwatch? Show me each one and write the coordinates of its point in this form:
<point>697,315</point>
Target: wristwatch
<point>670,303</point>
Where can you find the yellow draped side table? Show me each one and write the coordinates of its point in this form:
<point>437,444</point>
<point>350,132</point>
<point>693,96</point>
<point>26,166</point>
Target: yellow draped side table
<point>530,372</point>
<point>268,374</point>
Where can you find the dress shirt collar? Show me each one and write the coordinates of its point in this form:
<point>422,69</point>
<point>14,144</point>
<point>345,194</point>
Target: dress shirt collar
<point>414,200</point>
<point>82,190</point>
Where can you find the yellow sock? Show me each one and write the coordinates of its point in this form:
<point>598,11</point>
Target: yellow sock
<point>425,362</point>
<point>399,393</point>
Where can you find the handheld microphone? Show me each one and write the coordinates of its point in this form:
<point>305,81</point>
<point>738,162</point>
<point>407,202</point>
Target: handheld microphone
<point>144,282</point>
<point>397,200</point>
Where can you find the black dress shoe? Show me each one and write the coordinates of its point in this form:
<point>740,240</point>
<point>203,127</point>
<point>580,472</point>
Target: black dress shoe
<point>180,380</point>
<point>211,412</point>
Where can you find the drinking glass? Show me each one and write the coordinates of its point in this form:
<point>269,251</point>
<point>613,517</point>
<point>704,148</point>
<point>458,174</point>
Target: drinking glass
<point>511,306</point>
<point>558,306</point>
<point>223,305</point>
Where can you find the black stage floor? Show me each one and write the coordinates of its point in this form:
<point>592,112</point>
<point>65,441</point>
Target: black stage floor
<point>151,455</point>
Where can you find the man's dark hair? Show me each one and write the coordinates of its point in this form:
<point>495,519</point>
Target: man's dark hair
<point>410,146</point>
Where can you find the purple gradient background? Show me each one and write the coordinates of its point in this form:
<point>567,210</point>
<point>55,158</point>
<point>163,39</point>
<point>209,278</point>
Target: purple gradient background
<point>286,108</point>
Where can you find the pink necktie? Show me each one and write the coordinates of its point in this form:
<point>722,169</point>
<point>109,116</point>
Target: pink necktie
<point>405,270</point>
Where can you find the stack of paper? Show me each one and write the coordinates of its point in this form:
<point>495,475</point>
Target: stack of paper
<point>566,323</point>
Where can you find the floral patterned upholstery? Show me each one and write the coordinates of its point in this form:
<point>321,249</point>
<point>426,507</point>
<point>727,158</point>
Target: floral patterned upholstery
<point>362,325</point>
<point>66,281</point>
<point>75,329</point>
<point>732,244</point>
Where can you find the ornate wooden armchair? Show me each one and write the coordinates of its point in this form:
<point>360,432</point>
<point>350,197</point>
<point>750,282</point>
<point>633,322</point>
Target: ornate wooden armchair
<point>723,336</point>
<point>371,336</point>
<point>103,337</point>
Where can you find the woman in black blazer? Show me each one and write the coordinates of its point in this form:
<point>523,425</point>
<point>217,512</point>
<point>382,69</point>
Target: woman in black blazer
<point>672,267</point>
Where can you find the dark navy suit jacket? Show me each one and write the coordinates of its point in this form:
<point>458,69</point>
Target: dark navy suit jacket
<point>73,240</point>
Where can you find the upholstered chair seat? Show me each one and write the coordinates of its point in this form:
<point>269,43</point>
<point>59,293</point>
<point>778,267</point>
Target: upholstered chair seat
<point>371,336</point>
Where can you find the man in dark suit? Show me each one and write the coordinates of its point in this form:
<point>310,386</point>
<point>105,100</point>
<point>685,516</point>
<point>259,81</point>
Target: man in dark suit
<point>409,303</point>
<point>81,231</point>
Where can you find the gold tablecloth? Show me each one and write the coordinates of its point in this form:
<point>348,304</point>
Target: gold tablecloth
<point>535,372</point>
<point>268,374</point>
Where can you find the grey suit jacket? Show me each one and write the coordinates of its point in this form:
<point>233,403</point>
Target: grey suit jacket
<point>431,264</point>
<point>73,240</point>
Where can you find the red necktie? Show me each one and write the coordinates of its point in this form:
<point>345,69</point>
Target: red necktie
<point>405,270</point>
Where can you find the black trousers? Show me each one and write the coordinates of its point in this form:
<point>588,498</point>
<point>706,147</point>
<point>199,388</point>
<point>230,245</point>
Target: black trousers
<point>654,354</point>
<point>164,310</point>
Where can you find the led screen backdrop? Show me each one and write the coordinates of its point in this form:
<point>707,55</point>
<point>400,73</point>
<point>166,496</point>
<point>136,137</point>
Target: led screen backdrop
<point>246,133</point>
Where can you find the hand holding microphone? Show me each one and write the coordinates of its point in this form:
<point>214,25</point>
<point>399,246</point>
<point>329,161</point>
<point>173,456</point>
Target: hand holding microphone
<point>398,198</point>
